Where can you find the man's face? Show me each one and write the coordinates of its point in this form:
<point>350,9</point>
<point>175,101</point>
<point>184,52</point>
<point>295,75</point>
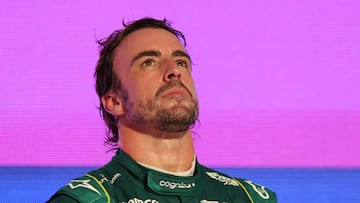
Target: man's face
<point>155,73</point>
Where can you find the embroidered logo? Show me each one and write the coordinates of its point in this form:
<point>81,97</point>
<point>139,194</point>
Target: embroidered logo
<point>136,200</point>
<point>210,201</point>
<point>115,177</point>
<point>174,185</point>
<point>82,183</point>
<point>259,189</point>
<point>105,179</point>
<point>221,178</point>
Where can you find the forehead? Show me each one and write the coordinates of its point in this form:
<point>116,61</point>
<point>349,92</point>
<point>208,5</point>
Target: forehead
<point>150,38</point>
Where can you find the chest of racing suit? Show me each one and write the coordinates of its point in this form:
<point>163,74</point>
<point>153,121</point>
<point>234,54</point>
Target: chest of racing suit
<point>123,180</point>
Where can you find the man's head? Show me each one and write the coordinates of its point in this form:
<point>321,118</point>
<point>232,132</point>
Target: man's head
<point>143,79</point>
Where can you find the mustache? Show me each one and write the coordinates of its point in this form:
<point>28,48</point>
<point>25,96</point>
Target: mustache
<point>172,84</point>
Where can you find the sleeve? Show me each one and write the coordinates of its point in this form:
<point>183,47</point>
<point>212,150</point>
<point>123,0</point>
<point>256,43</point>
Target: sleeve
<point>82,190</point>
<point>62,199</point>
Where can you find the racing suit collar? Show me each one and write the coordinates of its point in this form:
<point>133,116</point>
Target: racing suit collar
<point>159,182</point>
<point>189,172</point>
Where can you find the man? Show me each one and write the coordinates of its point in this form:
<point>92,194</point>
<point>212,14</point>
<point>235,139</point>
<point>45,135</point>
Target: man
<point>148,101</point>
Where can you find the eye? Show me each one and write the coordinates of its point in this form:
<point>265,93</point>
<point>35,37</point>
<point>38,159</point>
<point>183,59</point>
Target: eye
<point>148,62</point>
<point>183,63</point>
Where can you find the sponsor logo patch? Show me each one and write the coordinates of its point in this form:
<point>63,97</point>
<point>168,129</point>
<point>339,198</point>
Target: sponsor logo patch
<point>225,180</point>
<point>136,200</point>
<point>176,185</point>
<point>105,179</point>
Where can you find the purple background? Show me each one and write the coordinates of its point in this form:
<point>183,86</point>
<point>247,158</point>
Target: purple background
<point>278,81</point>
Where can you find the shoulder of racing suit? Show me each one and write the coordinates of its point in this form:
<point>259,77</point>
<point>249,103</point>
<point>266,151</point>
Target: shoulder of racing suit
<point>256,193</point>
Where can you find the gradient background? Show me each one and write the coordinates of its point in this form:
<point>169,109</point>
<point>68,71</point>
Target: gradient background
<point>278,83</point>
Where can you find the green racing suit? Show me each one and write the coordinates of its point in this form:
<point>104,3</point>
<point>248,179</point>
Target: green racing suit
<point>123,180</point>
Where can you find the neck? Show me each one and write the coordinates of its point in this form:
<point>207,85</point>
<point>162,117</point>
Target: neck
<point>172,152</point>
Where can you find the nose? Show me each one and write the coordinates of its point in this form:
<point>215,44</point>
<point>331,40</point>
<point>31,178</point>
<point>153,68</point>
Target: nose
<point>172,71</point>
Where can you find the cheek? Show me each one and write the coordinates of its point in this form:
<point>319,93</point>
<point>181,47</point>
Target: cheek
<point>142,91</point>
<point>140,86</point>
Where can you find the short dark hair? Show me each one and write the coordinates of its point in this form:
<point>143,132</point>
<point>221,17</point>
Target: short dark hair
<point>105,76</point>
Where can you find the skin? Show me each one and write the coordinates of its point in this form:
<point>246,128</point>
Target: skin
<point>151,64</point>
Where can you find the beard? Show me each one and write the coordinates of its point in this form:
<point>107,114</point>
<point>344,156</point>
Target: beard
<point>177,118</point>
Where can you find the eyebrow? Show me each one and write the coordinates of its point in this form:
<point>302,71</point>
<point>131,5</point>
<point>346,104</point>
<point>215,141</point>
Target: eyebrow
<point>146,53</point>
<point>177,53</point>
<point>181,54</point>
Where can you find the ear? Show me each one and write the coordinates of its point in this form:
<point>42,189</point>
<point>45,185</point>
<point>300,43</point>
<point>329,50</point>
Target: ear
<point>113,104</point>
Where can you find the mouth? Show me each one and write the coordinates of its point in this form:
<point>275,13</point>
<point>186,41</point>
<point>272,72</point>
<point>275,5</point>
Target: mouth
<point>175,92</point>
<point>174,89</point>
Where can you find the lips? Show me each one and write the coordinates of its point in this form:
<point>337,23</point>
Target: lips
<point>174,88</point>
<point>176,92</point>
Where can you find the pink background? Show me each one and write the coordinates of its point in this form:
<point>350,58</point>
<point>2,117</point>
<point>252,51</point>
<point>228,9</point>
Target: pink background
<point>278,81</point>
